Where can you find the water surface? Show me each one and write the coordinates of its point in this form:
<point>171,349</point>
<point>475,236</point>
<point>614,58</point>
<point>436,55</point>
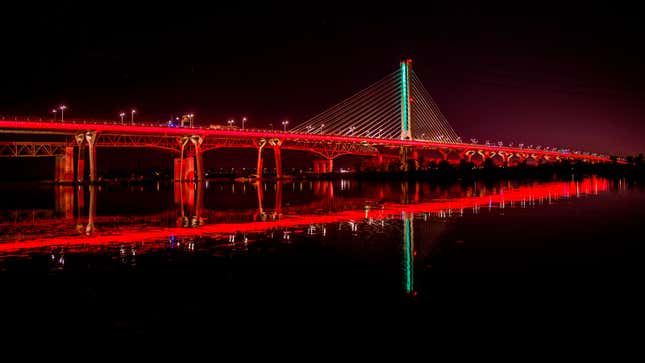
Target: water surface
<point>144,260</point>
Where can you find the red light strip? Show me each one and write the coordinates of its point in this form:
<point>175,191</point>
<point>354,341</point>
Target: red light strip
<point>168,131</point>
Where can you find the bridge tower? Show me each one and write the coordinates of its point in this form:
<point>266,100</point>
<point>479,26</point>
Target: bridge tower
<point>406,105</point>
<point>406,111</point>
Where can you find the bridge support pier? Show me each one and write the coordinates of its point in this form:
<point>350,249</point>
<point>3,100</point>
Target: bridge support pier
<point>259,169</point>
<point>468,155</point>
<point>64,172</point>
<point>276,144</point>
<point>91,147</point>
<point>278,162</point>
<point>181,164</point>
<point>199,160</point>
<point>323,166</point>
<point>79,171</point>
<point>404,158</point>
<point>409,160</point>
<point>415,160</point>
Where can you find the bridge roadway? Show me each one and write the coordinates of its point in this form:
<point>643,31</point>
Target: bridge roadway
<point>191,143</point>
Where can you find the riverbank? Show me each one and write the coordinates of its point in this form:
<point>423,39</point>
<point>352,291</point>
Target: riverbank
<point>443,172</point>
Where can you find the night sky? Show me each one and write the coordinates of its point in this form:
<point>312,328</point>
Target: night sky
<point>552,75</point>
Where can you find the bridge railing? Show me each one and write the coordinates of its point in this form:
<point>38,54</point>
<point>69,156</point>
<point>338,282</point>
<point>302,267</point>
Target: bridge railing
<point>127,123</point>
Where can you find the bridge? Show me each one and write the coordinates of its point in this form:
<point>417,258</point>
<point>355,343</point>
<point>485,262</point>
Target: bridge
<point>393,119</point>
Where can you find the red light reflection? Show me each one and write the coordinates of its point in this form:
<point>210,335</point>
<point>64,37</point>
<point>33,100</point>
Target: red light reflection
<point>527,194</point>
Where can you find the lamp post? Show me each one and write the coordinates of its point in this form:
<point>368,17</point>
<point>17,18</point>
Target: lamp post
<point>321,128</point>
<point>230,122</point>
<point>62,113</point>
<point>54,111</point>
<point>122,114</point>
<point>190,119</point>
<point>271,126</point>
<point>285,123</point>
<point>132,116</point>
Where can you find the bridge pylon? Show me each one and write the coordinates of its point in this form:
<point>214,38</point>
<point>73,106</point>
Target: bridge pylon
<point>406,111</point>
<point>406,104</point>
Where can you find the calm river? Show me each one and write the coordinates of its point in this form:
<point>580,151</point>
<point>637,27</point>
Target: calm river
<point>148,260</point>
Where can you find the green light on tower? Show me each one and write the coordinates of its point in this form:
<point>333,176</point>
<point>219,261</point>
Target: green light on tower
<point>405,100</point>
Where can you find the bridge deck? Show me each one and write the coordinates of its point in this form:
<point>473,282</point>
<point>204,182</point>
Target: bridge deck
<point>75,127</point>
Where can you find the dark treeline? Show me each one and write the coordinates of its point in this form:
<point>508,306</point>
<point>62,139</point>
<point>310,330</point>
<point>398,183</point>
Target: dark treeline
<point>445,171</point>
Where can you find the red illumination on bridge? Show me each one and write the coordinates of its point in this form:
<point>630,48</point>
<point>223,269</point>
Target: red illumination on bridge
<point>72,128</point>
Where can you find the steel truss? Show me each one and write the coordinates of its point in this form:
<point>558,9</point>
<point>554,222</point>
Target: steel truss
<point>325,149</point>
<point>33,149</point>
<point>221,143</point>
<point>170,143</point>
<point>331,150</point>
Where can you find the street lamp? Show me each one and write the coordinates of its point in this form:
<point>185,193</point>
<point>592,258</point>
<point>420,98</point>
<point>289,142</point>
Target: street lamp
<point>62,112</point>
<point>230,122</point>
<point>132,116</point>
<point>285,123</point>
<point>321,128</point>
<point>243,121</point>
<point>122,114</point>
<point>271,126</point>
<point>190,117</point>
<point>380,132</point>
<point>54,111</point>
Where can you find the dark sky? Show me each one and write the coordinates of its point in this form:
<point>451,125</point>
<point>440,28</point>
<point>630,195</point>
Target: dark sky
<point>552,75</point>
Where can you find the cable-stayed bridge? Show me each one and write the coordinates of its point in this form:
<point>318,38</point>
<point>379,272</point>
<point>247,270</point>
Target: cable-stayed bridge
<point>395,119</point>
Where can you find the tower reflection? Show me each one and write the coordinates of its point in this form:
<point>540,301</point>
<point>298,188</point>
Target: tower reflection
<point>408,252</point>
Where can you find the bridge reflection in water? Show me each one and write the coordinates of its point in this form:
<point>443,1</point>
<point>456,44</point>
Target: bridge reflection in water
<point>75,224</point>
